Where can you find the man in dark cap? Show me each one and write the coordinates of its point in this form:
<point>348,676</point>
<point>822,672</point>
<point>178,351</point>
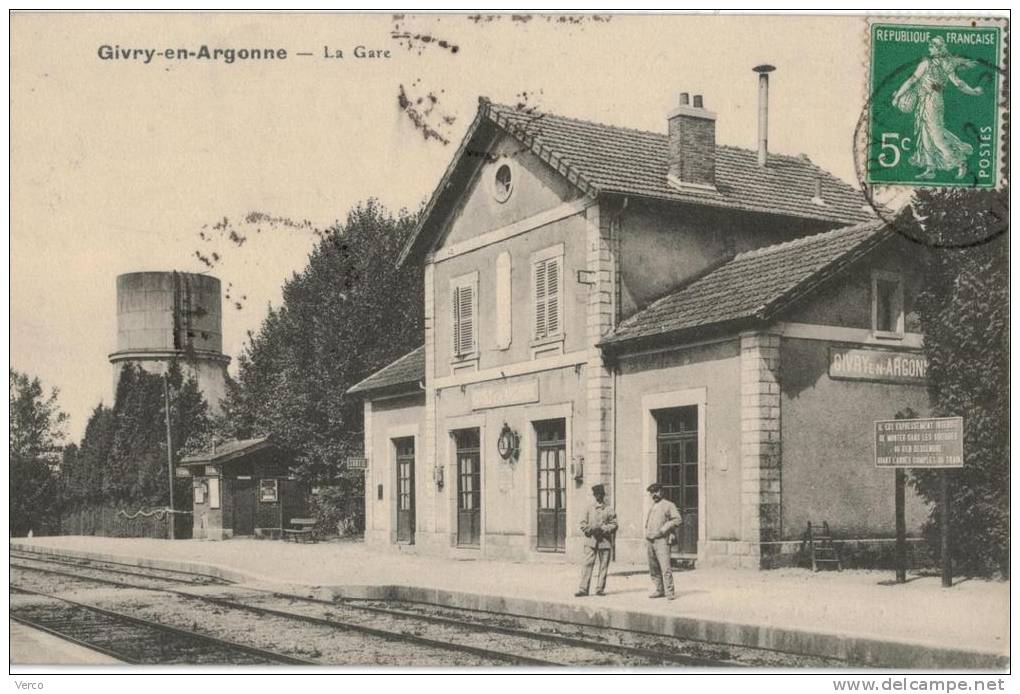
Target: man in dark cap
<point>598,526</point>
<point>662,520</point>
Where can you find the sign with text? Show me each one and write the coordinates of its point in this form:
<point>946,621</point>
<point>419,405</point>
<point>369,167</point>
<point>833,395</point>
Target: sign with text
<point>919,443</point>
<point>883,365</point>
<point>353,463</point>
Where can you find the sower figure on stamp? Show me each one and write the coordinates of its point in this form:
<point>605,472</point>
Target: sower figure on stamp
<point>599,526</point>
<point>662,520</point>
<point>935,148</point>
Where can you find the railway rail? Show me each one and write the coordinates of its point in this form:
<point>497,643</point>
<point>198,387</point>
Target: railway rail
<point>491,637</point>
<point>132,639</point>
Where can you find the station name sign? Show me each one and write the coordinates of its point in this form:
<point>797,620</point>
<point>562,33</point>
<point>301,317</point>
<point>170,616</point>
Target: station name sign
<point>919,443</point>
<point>882,365</point>
<point>354,463</point>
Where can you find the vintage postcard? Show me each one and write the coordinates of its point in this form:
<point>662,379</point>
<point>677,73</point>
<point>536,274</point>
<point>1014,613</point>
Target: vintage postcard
<point>491,340</point>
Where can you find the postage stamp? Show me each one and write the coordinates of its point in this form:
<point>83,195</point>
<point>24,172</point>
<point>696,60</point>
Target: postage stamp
<point>934,104</point>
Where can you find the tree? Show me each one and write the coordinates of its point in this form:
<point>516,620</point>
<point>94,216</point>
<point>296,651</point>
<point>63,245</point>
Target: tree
<point>122,457</point>
<point>348,313</point>
<point>36,431</point>
<point>83,479</point>
<point>964,309</point>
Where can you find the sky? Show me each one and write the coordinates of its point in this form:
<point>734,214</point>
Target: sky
<point>117,165</point>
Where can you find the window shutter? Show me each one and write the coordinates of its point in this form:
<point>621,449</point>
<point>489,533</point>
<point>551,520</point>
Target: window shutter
<point>540,294</point>
<point>465,307</point>
<point>456,320</point>
<point>552,293</point>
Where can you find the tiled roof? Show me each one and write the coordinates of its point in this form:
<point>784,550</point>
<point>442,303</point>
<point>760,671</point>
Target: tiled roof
<point>753,285</point>
<point>619,160</point>
<point>227,451</point>
<point>410,368</point>
<point>601,158</point>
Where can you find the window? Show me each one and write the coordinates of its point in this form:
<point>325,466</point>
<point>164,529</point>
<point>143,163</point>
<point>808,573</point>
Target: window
<point>548,278</point>
<point>465,308</point>
<point>503,183</point>
<point>886,304</point>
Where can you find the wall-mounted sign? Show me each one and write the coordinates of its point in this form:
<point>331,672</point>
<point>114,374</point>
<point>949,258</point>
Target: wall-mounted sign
<point>353,463</point>
<point>504,394</point>
<point>268,491</point>
<point>920,443</point>
<point>882,365</point>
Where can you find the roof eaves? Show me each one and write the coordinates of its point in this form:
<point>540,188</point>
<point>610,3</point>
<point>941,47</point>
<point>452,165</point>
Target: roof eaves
<point>443,183</point>
<point>619,344</point>
<point>560,164</point>
<point>364,385</point>
<point>843,261</point>
<point>409,387</point>
<point>219,458</point>
<point>727,203</point>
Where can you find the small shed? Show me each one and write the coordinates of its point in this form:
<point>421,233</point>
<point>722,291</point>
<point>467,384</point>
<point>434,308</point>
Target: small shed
<point>243,488</point>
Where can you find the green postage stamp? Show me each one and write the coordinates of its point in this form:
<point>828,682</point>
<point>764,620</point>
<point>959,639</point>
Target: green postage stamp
<point>935,99</point>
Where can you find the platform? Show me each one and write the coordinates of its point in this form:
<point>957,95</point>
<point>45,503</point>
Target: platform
<point>851,614</point>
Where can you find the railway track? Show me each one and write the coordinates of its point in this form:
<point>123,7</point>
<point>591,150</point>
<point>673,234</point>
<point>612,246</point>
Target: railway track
<point>132,639</point>
<point>490,637</point>
<point>491,656</point>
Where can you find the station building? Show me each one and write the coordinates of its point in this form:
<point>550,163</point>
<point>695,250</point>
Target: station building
<point>614,306</point>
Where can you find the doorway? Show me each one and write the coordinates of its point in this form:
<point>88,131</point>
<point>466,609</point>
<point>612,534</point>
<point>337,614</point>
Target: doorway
<point>469,487</point>
<point>244,506</point>
<point>552,485</point>
<point>677,452</point>
<point>404,448</point>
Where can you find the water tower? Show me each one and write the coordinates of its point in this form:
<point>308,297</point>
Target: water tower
<point>172,316</point>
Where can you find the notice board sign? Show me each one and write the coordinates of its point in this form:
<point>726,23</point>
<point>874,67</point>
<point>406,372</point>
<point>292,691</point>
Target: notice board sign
<point>881,365</point>
<point>919,443</point>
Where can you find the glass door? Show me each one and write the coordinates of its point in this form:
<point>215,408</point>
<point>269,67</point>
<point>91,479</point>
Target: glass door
<point>552,485</point>
<point>469,488</point>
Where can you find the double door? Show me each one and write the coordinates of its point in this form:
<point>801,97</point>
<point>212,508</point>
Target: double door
<point>677,457</point>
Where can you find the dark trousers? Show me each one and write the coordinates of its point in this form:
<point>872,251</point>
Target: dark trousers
<point>659,566</point>
<point>593,556</point>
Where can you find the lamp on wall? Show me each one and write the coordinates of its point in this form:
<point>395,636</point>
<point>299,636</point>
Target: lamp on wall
<point>437,475</point>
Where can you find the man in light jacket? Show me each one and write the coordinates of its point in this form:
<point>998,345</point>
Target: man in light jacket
<point>598,526</point>
<point>662,520</point>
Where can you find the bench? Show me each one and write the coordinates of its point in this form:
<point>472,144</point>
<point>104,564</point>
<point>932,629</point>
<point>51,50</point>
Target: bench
<point>302,530</point>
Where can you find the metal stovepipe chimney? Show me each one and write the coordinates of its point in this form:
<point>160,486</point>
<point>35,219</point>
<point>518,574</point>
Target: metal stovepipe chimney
<point>763,112</point>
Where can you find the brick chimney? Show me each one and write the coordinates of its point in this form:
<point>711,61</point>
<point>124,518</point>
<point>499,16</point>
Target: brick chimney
<point>691,144</point>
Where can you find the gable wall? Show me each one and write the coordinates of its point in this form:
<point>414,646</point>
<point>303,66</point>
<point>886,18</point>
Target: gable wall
<point>536,188</point>
<point>665,246</point>
<point>828,468</point>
